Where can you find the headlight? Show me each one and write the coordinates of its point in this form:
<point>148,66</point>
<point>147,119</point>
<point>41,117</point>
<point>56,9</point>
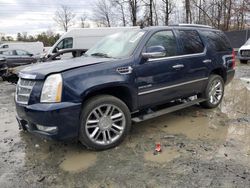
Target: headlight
<point>52,89</point>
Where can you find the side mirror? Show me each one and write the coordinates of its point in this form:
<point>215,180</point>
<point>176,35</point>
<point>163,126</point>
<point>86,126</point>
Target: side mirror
<point>154,52</point>
<point>30,55</point>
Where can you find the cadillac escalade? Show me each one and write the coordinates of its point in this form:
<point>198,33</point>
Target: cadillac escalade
<point>129,76</point>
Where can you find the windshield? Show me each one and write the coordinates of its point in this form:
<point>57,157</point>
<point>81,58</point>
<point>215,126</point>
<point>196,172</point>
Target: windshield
<point>118,45</point>
<point>247,42</point>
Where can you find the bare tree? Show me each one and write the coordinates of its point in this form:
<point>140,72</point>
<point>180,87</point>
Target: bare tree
<point>188,11</point>
<point>103,12</point>
<point>64,17</point>
<point>133,8</point>
<point>167,10</point>
<point>121,4</point>
<point>83,19</point>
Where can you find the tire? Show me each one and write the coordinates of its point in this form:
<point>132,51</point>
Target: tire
<point>213,94</point>
<point>243,61</point>
<point>105,122</point>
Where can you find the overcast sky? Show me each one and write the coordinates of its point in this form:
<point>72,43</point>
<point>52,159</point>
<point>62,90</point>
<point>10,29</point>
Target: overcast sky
<point>35,16</point>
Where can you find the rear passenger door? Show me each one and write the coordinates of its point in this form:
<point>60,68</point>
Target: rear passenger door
<point>195,58</point>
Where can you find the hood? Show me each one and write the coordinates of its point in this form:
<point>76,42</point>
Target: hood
<point>245,47</point>
<point>40,70</point>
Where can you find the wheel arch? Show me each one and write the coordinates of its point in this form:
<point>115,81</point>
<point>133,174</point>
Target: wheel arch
<point>122,92</point>
<point>221,72</point>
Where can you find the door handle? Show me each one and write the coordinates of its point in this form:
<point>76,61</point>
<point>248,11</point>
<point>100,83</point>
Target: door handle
<point>178,66</point>
<point>207,61</point>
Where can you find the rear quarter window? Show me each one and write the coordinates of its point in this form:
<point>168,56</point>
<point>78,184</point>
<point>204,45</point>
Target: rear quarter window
<point>191,42</point>
<point>217,40</point>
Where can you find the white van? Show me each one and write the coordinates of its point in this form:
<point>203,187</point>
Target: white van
<point>83,38</point>
<point>35,48</point>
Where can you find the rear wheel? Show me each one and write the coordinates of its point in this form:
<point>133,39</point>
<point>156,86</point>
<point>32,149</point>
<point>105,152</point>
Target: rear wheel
<point>243,61</point>
<point>105,121</point>
<point>214,91</point>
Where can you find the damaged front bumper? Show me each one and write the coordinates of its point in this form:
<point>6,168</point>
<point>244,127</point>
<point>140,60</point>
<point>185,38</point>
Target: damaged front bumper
<point>59,121</point>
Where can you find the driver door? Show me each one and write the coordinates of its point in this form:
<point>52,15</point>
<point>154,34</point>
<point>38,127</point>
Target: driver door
<point>158,79</point>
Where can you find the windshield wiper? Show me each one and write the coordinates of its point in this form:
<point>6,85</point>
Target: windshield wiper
<point>99,54</point>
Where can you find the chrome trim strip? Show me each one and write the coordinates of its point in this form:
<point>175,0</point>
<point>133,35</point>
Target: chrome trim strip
<point>26,76</point>
<point>168,87</point>
<point>226,56</point>
<point>178,56</point>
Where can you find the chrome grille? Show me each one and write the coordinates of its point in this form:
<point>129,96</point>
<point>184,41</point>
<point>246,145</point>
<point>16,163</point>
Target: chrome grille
<point>23,90</point>
<point>245,53</point>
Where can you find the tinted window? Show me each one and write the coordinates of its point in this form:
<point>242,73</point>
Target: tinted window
<point>165,39</point>
<point>217,40</point>
<point>191,42</point>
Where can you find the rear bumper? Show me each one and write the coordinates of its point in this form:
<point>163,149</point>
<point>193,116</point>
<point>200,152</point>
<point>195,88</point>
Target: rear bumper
<point>65,116</point>
<point>230,75</point>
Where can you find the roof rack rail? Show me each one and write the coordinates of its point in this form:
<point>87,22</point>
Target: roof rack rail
<point>193,25</point>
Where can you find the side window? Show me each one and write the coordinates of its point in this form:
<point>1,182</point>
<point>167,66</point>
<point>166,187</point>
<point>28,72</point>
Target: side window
<point>9,52</point>
<point>217,40</point>
<point>21,52</point>
<point>65,43</point>
<point>165,39</point>
<point>5,46</point>
<point>191,42</point>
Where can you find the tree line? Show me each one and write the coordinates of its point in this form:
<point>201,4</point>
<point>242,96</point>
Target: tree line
<point>222,14</point>
<point>48,38</point>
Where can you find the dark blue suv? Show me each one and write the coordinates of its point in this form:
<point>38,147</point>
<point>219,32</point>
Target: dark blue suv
<point>95,97</point>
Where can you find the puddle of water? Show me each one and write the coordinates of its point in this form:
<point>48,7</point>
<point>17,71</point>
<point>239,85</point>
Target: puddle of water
<point>166,155</point>
<point>238,136</point>
<point>195,127</point>
<point>75,162</point>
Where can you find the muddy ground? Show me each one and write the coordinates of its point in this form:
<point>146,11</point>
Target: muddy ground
<point>200,148</point>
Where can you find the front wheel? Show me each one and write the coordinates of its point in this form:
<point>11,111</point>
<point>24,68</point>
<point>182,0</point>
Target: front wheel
<point>214,91</point>
<point>105,121</point>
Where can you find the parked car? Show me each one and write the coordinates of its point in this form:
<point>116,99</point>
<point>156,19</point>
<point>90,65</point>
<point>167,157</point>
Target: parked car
<point>17,57</point>
<point>244,52</point>
<point>94,98</point>
<point>83,38</point>
<point>35,48</point>
<point>11,75</point>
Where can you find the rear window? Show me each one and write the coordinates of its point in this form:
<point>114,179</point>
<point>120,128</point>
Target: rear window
<point>5,46</point>
<point>217,40</point>
<point>191,42</point>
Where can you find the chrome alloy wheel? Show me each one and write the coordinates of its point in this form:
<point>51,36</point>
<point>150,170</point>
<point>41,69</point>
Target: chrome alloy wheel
<point>105,124</point>
<point>215,91</point>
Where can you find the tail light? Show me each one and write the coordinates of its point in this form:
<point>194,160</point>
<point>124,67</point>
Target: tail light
<point>233,59</point>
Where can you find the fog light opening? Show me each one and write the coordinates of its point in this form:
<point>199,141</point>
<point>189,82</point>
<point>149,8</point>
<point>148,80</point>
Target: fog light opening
<point>46,129</point>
